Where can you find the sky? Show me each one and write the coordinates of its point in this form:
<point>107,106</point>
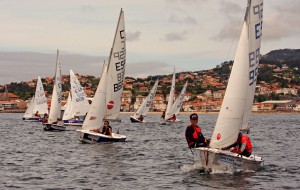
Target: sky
<point>190,35</point>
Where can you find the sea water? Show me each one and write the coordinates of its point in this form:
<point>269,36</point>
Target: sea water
<point>154,156</point>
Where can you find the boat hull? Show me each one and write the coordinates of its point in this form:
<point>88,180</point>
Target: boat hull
<point>87,136</point>
<point>73,122</point>
<point>134,120</point>
<point>214,159</point>
<point>32,119</point>
<point>54,127</point>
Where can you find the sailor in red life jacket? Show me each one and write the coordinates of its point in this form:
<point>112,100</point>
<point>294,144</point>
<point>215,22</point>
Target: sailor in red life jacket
<point>193,133</point>
<point>242,146</point>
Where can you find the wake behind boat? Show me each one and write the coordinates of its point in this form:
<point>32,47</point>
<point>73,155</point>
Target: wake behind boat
<point>99,107</point>
<point>236,107</point>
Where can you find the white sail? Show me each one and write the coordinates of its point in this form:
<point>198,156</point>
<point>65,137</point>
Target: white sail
<point>40,100</point>
<point>145,106</point>
<point>55,110</point>
<point>238,100</point>
<point>116,70</point>
<point>171,99</point>
<point>68,113</point>
<point>79,100</point>
<point>177,104</point>
<point>29,111</point>
<point>97,109</point>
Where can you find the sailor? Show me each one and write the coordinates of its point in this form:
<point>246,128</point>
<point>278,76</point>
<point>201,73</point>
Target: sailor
<point>141,118</point>
<point>242,146</point>
<point>37,114</point>
<point>107,130</point>
<point>193,134</point>
<point>173,118</point>
<point>163,115</point>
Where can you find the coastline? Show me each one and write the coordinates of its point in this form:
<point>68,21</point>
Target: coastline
<point>180,113</point>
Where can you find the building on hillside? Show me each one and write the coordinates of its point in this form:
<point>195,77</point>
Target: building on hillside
<point>279,105</point>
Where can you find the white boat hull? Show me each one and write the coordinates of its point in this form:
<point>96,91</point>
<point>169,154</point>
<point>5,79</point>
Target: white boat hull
<point>214,159</point>
<point>87,136</point>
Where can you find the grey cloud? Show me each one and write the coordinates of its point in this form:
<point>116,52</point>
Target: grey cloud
<point>176,36</point>
<point>278,25</point>
<point>133,36</point>
<point>186,20</point>
<point>25,66</point>
<point>144,69</point>
<point>87,8</point>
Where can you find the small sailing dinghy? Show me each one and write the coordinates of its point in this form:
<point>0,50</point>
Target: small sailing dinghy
<point>99,108</point>
<point>78,106</point>
<point>38,104</point>
<point>55,122</point>
<point>173,108</point>
<point>145,106</point>
<point>236,107</point>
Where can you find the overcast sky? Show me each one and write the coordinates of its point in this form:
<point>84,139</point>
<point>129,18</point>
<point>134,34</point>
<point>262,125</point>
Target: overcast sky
<point>188,34</point>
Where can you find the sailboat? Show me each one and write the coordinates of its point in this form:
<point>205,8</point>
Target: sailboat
<point>78,106</point>
<point>99,108</point>
<point>236,107</point>
<point>173,108</point>
<point>178,103</point>
<point>38,104</point>
<point>169,114</point>
<point>54,121</point>
<point>145,106</point>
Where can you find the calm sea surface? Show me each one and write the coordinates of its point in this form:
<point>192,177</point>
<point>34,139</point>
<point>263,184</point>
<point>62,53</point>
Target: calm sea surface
<point>154,156</point>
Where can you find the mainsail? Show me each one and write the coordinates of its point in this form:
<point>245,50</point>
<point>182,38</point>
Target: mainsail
<point>178,102</point>
<point>80,104</point>
<point>116,70</point>
<point>40,100</point>
<point>238,100</point>
<point>29,111</point>
<point>171,99</point>
<point>97,109</point>
<point>55,110</point>
<point>145,106</point>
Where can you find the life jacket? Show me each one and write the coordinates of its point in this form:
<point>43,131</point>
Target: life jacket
<point>196,133</point>
<point>245,139</point>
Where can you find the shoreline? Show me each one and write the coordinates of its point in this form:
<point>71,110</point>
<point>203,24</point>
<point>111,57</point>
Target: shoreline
<point>180,113</point>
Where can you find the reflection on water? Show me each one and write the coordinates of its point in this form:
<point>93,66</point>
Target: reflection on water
<point>154,156</point>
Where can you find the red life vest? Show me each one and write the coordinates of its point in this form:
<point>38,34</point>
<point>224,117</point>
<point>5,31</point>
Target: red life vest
<point>197,130</point>
<point>244,139</point>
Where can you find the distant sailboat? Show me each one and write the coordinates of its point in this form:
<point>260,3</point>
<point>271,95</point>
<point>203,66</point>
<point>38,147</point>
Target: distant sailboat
<point>178,103</point>
<point>99,108</point>
<point>38,104</point>
<point>55,119</point>
<point>238,100</point>
<point>173,108</point>
<point>171,99</point>
<point>79,105</point>
<point>145,106</point>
